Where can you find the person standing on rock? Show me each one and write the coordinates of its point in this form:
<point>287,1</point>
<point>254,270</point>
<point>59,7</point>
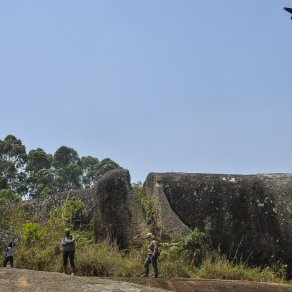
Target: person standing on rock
<point>152,256</point>
<point>68,243</point>
<point>9,255</point>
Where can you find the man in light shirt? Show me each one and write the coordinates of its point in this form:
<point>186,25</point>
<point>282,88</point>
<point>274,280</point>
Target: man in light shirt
<point>9,255</point>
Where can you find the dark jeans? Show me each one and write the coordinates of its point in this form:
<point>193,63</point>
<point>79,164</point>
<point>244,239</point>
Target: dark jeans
<point>8,259</point>
<point>68,254</point>
<point>151,259</point>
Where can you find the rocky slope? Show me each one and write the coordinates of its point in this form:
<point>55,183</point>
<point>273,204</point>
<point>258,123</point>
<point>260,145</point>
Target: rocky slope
<point>33,281</point>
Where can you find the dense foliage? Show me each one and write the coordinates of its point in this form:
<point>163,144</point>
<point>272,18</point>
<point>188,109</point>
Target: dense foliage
<point>40,249</point>
<point>38,173</point>
<point>188,256</point>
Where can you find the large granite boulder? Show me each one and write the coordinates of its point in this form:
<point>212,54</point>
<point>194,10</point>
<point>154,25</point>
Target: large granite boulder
<point>245,216</point>
<point>167,222</point>
<point>6,237</point>
<point>118,214</point>
<point>43,206</point>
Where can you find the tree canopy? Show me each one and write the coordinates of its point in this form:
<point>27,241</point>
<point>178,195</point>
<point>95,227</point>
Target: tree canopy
<point>38,173</point>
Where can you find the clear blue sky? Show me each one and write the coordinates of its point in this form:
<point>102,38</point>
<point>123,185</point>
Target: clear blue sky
<point>156,85</point>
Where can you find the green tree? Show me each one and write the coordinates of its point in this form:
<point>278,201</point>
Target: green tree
<point>38,173</point>
<point>7,200</point>
<point>12,162</point>
<point>38,159</point>
<point>106,165</point>
<point>41,175</point>
<point>7,197</point>
<point>42,182</point>
<point>3,183</point>
<point>89,166</point>
<point>65,156</point>
<point>19,185</point>
<point>68,169</point>
<point>68,177</point>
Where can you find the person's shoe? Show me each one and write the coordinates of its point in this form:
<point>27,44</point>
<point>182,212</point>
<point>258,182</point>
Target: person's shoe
<point>144,276</point>
<point>72,274</point>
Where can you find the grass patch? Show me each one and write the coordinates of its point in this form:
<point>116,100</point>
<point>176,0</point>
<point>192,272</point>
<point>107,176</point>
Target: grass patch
<point>221,268</point>
<point>106,260</point>
<point>40,249</point>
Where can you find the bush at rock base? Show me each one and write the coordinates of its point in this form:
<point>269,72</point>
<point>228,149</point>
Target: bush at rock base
<point>40,249</point>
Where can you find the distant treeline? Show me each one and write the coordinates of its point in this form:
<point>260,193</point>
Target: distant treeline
<point>38,173</point>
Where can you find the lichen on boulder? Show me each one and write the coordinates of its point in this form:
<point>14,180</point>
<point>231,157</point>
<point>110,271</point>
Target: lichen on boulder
<point>246,217</point>
<point>118,216</point>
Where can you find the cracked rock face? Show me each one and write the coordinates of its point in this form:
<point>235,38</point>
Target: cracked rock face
<point>248,216</point>
<point>118,216</point>
<point>116,212</point>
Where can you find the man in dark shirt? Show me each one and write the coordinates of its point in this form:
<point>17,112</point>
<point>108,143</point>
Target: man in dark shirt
<point>68,243</point>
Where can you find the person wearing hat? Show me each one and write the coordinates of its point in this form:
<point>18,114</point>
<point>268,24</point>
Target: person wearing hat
<point>152,256</point>
<point>68,243</point>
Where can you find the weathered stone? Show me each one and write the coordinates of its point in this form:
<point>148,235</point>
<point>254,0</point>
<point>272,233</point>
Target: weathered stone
<point>246,216</point>
<point>118,214</point>
<point>23,280</point>
<point>43,206</point>
<point>167,223</point>
<point>6,237</point>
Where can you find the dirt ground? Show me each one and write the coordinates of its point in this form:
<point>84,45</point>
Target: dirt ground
<point>36,281</point>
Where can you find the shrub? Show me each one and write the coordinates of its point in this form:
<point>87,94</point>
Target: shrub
<point>33,233</point>
<point>66,215</point>
<point>187,256</point>
<point>219,267</point>
<point>102,259</point>
<point>13,212</point>
<point>147,204</point>
<point>190,248</point>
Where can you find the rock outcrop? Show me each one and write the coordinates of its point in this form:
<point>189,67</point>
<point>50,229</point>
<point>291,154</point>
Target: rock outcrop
<point>245,216</point>
<point>27,281</point>
<point>6,237</point>
<point>167,223</point>
<point>118,214</point>
<point>43,206</point>
<point>248,216</point>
